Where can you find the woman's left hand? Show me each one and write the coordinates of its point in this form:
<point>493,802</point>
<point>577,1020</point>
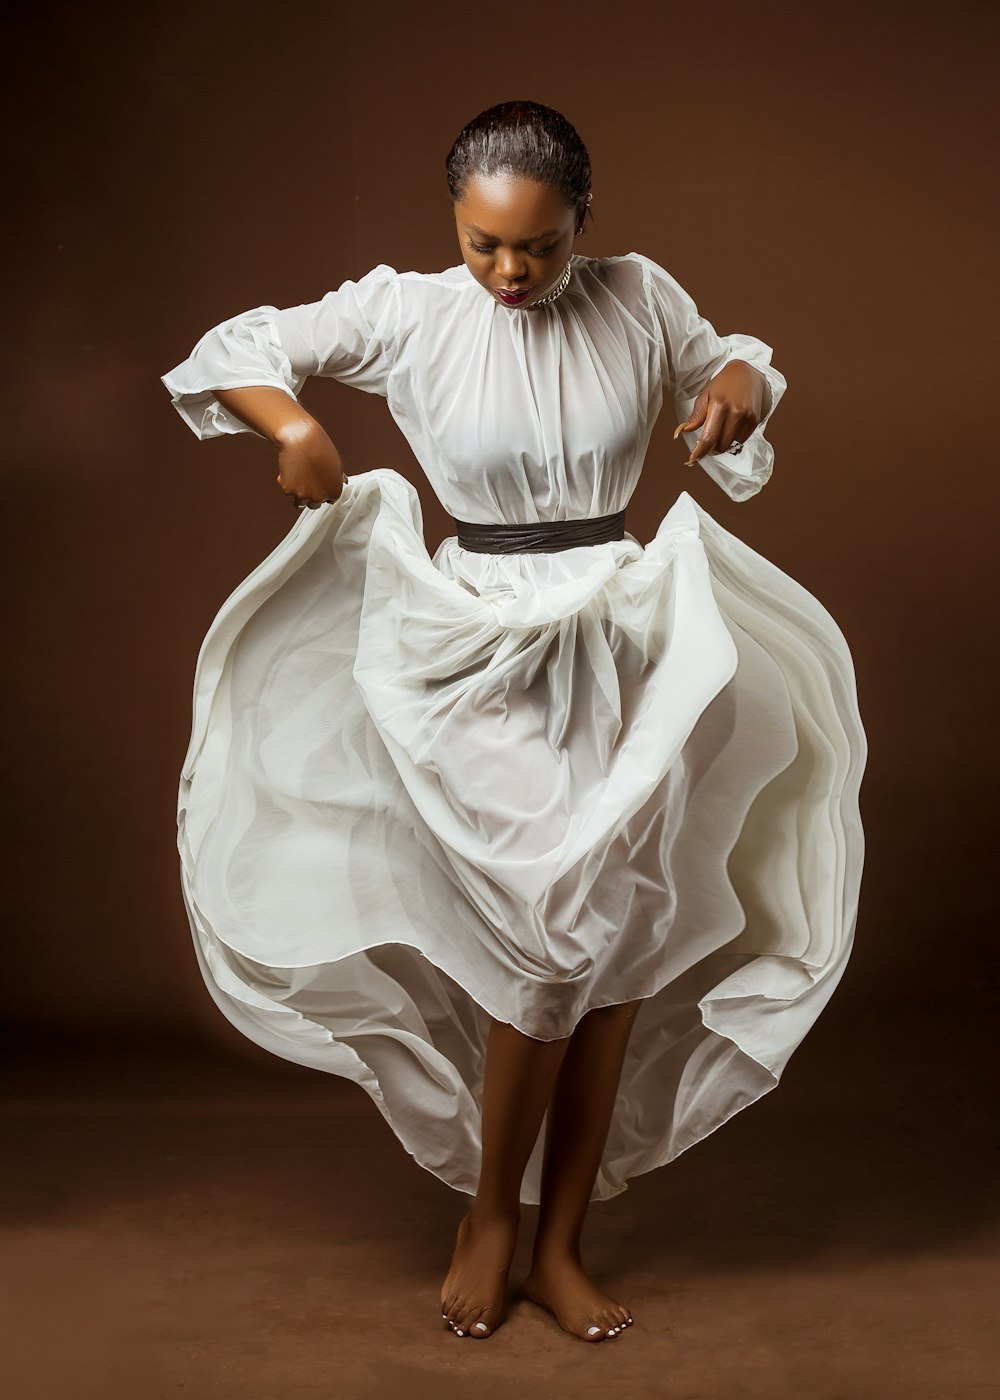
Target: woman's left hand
<point>730,406</point>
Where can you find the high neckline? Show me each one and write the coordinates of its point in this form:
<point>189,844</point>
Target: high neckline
<point>548,300</point>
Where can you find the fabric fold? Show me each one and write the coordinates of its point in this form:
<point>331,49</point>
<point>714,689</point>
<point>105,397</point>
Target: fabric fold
<point>408,808</point>
<point>244,350</point>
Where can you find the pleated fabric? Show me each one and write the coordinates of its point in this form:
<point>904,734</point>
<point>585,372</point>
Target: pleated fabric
<point>425,791</point>
<point>410,805</point>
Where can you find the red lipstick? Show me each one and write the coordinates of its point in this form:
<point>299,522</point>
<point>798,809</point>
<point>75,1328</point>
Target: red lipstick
<point>513,298</point>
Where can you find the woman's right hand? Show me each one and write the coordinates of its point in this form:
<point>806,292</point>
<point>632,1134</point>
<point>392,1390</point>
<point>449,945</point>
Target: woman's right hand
<point>310,469</point>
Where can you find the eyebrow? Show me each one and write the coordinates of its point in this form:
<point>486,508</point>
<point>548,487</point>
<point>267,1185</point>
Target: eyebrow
<point>535,238</point>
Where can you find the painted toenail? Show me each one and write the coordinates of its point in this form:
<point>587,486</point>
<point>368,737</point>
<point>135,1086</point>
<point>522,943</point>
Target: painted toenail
<point>592,1330</point>
<point>459,1331</point>
<point>482,1326</point>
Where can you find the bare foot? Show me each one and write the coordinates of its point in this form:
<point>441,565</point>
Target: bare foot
<point>558,1282</point>
<point>474,1294</point>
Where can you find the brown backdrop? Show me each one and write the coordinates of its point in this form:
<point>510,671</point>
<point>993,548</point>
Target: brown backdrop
<point>186,1211</point>
<point>818,182</point>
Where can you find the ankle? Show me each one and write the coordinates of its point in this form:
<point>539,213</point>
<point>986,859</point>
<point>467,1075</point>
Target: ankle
<point>494,1213</point>
<point>555,1250</point>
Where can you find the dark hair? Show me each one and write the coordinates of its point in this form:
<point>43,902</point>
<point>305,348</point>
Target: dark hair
<point>526,139</point>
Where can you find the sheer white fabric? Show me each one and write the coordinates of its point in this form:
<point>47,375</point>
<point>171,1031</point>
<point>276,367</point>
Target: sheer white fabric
<point>423,791</point>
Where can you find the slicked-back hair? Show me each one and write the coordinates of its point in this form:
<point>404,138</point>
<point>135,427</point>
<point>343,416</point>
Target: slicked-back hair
<point>524,139</point>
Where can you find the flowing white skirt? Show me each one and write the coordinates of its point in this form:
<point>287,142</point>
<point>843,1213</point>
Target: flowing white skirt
<point>422,792</point>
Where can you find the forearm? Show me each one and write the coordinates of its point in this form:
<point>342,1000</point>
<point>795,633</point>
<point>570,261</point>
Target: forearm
<point>270,412</point>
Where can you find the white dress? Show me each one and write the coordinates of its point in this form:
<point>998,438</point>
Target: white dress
<point>424,791</point>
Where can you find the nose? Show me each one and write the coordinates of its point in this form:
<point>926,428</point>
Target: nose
<point>511,267</point>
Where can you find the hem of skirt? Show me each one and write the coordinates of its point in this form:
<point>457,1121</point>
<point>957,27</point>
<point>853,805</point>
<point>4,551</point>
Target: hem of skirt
<point>357,1070</point>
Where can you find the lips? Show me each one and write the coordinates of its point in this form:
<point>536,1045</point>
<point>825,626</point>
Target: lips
<point>513,297</point>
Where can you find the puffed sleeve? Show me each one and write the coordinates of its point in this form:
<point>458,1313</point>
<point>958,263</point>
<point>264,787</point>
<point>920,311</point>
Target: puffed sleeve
<point>691,353</point>
<point>350,335</point>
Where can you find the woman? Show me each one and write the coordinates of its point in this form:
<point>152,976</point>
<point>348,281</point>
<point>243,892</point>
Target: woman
<point>551,829</point>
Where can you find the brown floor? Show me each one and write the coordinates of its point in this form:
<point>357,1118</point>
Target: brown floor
<point>209,1222</point>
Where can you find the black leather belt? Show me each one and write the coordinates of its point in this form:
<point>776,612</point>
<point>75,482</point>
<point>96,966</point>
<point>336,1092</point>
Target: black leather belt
<point>541,536</point>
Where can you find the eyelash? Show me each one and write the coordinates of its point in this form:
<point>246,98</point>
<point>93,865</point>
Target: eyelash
<point>532,253</point>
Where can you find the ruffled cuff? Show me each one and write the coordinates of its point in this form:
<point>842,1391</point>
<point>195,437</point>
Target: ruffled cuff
<point>242,352</point>
<point>742,476</point>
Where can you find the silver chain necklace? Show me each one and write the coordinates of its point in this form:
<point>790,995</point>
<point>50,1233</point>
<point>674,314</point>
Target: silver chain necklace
<point>556,291</point>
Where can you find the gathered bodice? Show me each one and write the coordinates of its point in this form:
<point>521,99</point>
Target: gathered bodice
<point>516,415</point>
